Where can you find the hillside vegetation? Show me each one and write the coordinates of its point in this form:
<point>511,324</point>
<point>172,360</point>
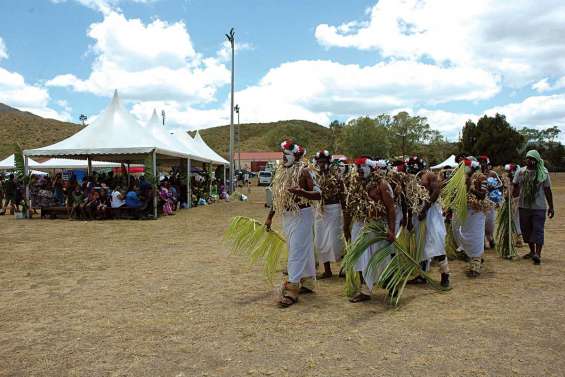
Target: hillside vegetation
<point>264,137</point>
<point>30,130</point>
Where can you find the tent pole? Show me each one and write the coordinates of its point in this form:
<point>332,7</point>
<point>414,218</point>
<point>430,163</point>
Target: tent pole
<point>26,199</point>
<point>156,176</point>
<point>188,184</point>
<point>225,188</point>
<point>89,169</point>
<point>127,174</point>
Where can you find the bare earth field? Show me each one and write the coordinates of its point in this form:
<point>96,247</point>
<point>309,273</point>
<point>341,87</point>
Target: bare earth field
<point>163,298</point>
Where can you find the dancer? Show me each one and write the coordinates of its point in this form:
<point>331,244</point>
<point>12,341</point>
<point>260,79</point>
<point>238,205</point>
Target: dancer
<point>329,224</point>
<point>472,229</point>
<point>435,231</point>
<point>533,187</point>
<point>294,189</point>
<point>369,198</point>
<point>494,194</point>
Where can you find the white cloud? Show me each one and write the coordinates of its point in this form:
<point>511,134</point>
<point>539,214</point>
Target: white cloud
<point>147,62</point>
<point>224,54</point>
<point>522,39</point>
<point>182,116</point>
<point>320,90</point>
<point>3,50</point>
<point>536,112</point>
<point>15,92</point>
<point>448,123</point>
<point>542,85</point>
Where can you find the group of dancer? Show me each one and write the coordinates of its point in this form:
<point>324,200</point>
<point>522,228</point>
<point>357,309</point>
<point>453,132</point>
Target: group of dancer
<point>328,203</point>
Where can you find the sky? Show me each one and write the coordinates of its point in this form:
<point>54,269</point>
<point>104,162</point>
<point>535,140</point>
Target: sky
<point>317,60</point>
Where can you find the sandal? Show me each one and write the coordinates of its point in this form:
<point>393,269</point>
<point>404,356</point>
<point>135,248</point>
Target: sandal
<point>304,290</point>
<point>417,280</point>
<point>359,297</point>
<point>287,301</point>
<point>324,275</point>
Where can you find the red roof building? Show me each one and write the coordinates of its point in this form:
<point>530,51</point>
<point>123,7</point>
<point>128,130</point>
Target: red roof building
<point>256,161</point>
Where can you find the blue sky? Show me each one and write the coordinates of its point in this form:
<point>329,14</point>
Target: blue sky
<point>315,60</point>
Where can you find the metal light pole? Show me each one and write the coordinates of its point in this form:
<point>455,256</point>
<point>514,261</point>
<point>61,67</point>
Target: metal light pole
<point>236,108</point>
<point>231,38</point>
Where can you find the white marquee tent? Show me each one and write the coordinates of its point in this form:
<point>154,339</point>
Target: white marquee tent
<point>209,151</point>
<point>449,162</point>
<point>115,135</point>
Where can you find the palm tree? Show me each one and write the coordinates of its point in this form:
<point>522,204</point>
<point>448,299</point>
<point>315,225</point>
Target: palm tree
<point>83,119</point>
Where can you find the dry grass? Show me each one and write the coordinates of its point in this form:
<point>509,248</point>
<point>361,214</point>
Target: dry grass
<point>29,130</point>
<point>162,298</point>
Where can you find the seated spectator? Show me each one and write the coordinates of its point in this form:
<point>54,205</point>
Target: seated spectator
<point>166,197</point>
<point>76,200</point>
<point>89,208</point>
<point>102,208</point>
<point>118,199</point>
<point>10,189</point>
<point>132,198</point>
<point>58,192</point>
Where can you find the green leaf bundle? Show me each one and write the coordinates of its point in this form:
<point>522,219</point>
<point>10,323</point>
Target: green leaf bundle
<point>454,193</point>
<point>249,237</point>
<point>504,230</point>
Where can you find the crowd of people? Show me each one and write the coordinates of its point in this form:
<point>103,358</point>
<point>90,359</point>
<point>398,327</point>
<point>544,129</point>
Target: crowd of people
<point>324,205</point>
<point>106,195</point>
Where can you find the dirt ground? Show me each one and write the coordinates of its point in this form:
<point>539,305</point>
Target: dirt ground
<point>163,298</point>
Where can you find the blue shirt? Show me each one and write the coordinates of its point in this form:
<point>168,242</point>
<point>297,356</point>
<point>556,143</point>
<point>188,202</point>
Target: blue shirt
<point>132,200</point>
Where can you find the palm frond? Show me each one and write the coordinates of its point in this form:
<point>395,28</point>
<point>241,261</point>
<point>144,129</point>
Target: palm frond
<point>402,258</point>
<point>249,237</point>
<point>450,244</point>
<point>505,228</point>
<point>454,193</point>
<point>370,234</point>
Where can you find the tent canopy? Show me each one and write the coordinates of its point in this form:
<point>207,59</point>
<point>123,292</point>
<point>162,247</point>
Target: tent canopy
<point>114,132</point>
<point>65,163</point>
<point>9,163</point>
<point>449,162</point>
<point>157,130</point>
<point>209,151</point>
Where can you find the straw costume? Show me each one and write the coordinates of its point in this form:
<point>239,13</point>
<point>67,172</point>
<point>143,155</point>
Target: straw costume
<point>366,207</point>
<point>466,195</point>
<point>294,189</point>
<point>328,223</point>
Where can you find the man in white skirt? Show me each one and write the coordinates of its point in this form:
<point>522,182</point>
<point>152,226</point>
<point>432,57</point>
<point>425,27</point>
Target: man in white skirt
<point>294,189</point>
<point>329,241</point>
<point>472,229</point>
<point>435,231</point>
<point>377,203</point>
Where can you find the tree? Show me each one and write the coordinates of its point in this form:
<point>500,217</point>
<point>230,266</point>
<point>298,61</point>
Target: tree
<point>550,134</point>
<point>366,136</point>
<point>494,137</point>
<point>438,148</point>
<point>407,133</point>
<point>336,128</point>
<point>82,118</point>
<point>530,135</point>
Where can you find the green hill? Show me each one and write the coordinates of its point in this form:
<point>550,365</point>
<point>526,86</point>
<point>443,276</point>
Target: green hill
<point>265,137</point>
<point>30,130</point>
